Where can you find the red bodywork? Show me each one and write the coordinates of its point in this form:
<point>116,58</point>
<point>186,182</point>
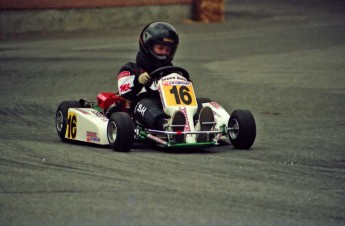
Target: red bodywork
<point>105,99</point>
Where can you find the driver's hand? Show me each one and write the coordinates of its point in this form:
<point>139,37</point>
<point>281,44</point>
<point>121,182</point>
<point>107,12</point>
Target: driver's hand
<point>144,78</point>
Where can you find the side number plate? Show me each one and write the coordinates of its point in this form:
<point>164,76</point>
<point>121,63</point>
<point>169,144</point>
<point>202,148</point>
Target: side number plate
<point>71,129</point>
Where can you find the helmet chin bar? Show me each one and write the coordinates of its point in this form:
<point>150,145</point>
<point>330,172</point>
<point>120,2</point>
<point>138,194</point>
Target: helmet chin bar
<point>160,60</point>
<point>160,56</point>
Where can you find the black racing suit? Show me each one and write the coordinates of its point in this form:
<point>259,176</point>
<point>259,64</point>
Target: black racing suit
<point>148,108</point>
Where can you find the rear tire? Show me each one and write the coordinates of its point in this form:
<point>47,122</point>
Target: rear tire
<point>61,117</point>
<point>243,133</point>
<point>120,132</point>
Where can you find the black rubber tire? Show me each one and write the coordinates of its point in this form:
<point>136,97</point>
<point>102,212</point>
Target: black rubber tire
<point>120,132</point>
<point>61,117</point>
<point>244,135</point>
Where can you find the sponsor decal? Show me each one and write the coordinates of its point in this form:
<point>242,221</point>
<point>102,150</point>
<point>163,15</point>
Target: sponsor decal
<point>125,87</point>
<point>141,109</point>
<point>92,137</point>
<point>102,97</point>
<point>168,78</point>
<point>216,105</point>
<point>187,127</point>
<point>125,84</point>
<point>123,74</point>
<point>173,83</point>
<point>100,115</point>
<point>171,77</point>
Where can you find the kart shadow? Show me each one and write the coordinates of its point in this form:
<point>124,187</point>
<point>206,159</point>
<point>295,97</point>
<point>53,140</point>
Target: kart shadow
<point>145,147</point>
<point>150,147</point>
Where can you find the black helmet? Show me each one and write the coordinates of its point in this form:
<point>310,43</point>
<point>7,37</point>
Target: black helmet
<point>158,33</point>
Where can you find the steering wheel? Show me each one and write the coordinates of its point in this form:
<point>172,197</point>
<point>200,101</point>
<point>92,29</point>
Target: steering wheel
<point>164,71</point>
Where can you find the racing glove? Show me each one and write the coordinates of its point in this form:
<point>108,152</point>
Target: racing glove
<point>144,78</point>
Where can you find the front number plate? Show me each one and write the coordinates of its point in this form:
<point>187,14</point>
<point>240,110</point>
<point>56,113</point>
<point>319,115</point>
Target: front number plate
<point>179,93</point>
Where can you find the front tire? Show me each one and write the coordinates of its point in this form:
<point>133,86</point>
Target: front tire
<point>242,131</point>
<point>61,117</point>
<point>120,132</point>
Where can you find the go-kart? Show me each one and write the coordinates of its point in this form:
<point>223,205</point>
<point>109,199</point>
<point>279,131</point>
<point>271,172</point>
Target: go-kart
<point>110,120</point>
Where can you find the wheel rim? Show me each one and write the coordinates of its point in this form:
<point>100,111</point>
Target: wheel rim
<point>234,129</point>
<point>112,132</point>
<point>59,121</point>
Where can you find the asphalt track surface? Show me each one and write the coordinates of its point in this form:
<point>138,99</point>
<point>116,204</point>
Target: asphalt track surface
<point>285,62</point>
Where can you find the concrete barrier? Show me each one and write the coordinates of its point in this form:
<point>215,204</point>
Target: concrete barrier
<point>19,18</point>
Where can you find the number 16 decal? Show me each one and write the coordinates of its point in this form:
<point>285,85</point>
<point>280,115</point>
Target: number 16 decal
<point>182,94</point>
<point>71,129</point>
<point>177,95</point>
